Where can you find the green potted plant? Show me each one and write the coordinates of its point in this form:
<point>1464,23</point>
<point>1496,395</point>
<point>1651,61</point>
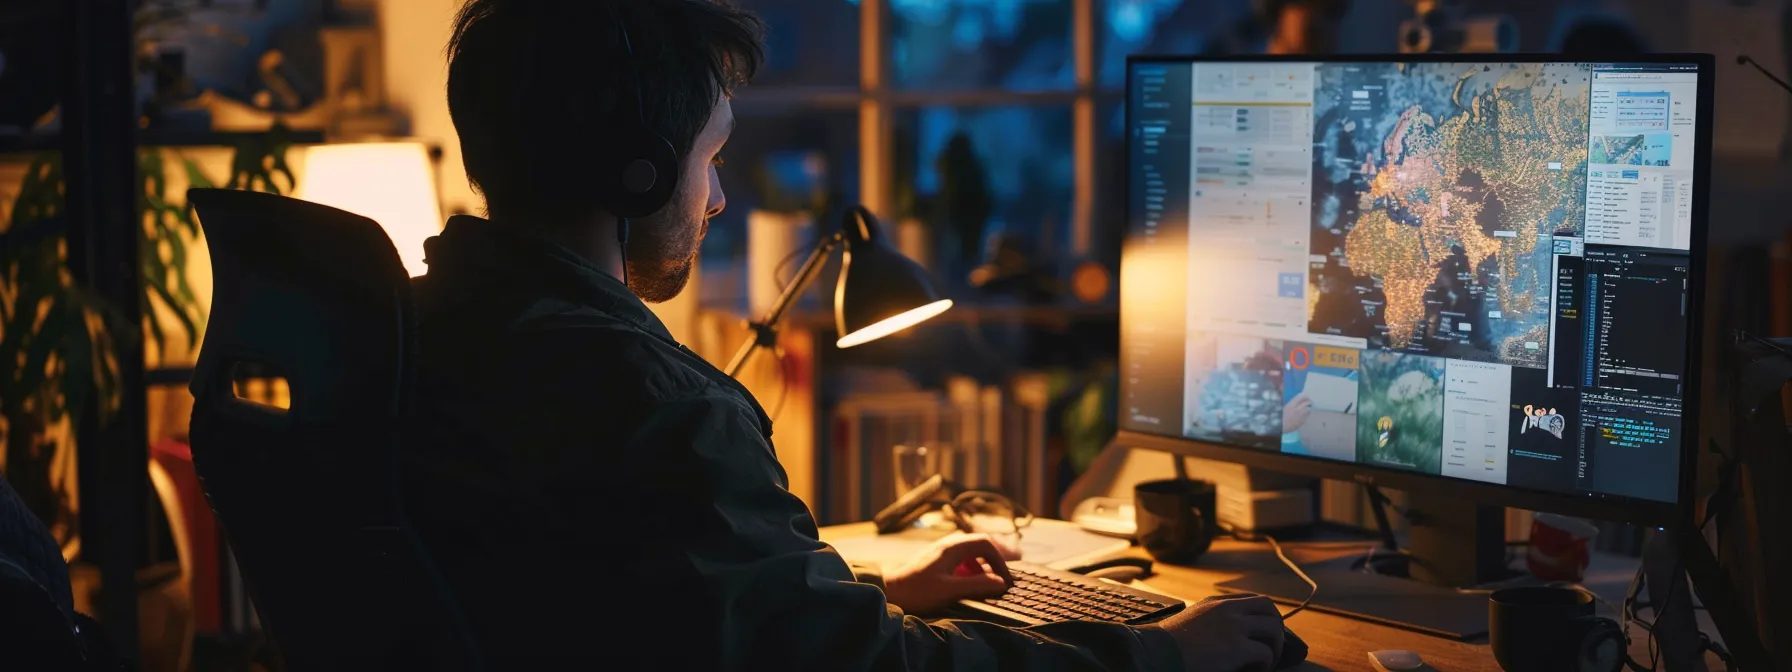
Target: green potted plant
<point>60,336</point>
<point>65,338</point>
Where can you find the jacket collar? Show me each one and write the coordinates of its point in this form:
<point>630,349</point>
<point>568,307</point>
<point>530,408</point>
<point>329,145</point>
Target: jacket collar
<point>473,245</point>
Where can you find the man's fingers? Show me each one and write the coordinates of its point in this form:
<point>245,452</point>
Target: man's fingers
<point>977,587</point>
<point>1254,605</point>
<point>1267,632</point>
<point>1258,657</point>
<point>980,548</point>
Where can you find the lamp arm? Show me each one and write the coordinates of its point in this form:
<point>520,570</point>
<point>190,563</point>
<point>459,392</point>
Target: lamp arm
<point>765,331</point>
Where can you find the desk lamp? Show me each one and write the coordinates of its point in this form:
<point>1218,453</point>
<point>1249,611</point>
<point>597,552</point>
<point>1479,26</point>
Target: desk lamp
<point>880,293</point>
<point>392,183</point>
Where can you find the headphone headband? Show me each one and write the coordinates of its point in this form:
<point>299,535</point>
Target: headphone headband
<point>643,170</point>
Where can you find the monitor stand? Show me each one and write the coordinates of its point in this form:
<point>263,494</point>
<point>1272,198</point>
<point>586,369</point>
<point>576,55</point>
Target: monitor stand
<point>1452,545</point>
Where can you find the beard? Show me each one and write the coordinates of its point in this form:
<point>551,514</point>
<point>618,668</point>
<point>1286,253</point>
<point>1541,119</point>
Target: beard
<point>661,254</point>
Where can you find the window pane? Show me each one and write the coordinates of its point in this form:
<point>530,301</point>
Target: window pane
<point>808,42</point>
<point>1159,27</point>
<point>971,174</point>
<point>1018,45</point>
<point>1110,175</point>
<point>777,159</point>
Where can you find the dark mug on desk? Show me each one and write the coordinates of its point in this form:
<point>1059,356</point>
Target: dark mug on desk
<point>1545,629</point>
<point>1176,518</point>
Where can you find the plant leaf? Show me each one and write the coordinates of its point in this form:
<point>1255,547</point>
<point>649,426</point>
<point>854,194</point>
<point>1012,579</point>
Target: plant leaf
<point>24,233</point>
<point>187,324</point>
<point>43,343</point>
<point>196,179</point>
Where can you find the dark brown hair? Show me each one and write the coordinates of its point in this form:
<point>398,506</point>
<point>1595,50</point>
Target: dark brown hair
<point>537,91</point>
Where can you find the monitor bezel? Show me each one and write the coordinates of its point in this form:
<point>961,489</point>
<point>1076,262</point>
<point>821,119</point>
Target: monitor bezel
<point>1678,514</point>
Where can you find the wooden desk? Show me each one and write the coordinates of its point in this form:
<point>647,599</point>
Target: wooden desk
<point>1336,642</point>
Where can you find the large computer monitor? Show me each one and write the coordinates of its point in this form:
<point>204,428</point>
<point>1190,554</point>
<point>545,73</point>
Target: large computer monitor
<point>1477,275</point>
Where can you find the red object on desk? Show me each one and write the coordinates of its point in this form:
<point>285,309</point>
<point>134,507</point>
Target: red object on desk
<point>202,554</point>
<point>1560,547</point>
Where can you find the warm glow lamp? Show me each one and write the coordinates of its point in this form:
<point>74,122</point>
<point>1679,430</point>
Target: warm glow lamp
<point>880,293</point>
<point>392,183</point>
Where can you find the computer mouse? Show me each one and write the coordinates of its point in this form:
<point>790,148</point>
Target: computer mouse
<point>1396,660</point>
<point>1294,650</point>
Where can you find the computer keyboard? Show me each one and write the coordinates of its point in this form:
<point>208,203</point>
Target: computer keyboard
<point>1043,595</point>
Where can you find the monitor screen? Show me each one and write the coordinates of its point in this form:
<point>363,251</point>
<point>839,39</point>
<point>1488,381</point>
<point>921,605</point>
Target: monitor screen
<point>1469,270</point>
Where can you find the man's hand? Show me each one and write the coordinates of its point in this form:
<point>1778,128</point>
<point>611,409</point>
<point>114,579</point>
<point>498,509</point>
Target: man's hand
<point>1294,415</point>
<point>1229,633</point>
<point>958,567</point>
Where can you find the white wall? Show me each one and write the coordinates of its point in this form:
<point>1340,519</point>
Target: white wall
<point>415,34</point>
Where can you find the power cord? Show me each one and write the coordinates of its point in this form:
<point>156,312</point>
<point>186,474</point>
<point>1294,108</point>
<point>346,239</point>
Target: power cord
<point>783,384</point>
<point>1297,571</point>
<point>778,354</point>
<point>1276,546</point>
<point>1658,608</point>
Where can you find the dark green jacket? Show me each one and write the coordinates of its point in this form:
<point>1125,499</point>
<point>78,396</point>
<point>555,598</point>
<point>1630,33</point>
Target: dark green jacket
<point>595,490</point>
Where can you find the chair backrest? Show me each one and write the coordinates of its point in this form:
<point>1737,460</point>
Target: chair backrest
<point>308,495</point>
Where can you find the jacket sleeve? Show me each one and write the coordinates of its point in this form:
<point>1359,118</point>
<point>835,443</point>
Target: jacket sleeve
<point>758,590</point>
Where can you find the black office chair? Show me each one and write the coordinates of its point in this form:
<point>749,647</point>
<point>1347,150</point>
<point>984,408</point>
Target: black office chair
<point>309,495</point>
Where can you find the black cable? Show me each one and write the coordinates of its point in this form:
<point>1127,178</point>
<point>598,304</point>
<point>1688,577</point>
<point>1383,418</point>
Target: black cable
<point>1297,571</point>
<point>622,246</point>
<point>783,385</point>
<point>1661,607</point>
<point>1248,536</point>
<point>778,271</point>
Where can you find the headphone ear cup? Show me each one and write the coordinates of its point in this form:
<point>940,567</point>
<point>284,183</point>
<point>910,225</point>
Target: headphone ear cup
<point>643,177</point>
<point>1599,645</point>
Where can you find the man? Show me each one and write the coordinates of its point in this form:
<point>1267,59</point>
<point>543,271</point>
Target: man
<point>591,488</point>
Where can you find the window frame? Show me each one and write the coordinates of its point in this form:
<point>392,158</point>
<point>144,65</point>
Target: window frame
<point>878,104</point>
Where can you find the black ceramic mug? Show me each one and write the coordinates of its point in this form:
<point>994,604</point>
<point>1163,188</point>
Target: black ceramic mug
<point>1545,629</point>
<point>1176,518</point>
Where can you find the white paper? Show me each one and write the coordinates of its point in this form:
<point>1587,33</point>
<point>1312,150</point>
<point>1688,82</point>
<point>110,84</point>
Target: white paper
<point>1334,394</point>
<point>1053,543</point>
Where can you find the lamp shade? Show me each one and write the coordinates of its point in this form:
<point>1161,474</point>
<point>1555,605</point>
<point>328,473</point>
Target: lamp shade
<point>881,292</point>
<point>392,183</point>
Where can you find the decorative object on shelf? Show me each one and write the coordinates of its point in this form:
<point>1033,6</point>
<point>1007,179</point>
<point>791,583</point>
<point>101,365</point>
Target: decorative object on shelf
<point>200,74</point>
<point>792,190</point>
<point>392,183</point>
<point>773,238</point>
<point>356,83</point>
<point>914,219</point>
<point>887,293</point>
<point>163,85</point>
<point>1011,271</point>
<point>914,239</point>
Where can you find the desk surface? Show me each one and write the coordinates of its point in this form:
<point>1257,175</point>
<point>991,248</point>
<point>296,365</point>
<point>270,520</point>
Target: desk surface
<point>1336,642</point>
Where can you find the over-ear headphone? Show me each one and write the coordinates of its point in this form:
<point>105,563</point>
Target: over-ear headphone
<point>641,167</point>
